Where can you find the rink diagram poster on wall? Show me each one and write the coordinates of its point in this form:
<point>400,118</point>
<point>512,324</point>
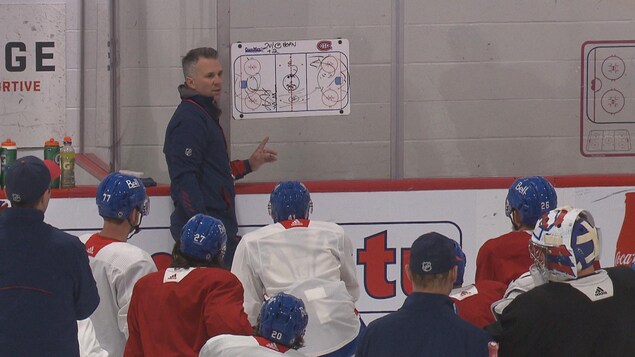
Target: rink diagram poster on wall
<point>290,78</point>
<point>607,103</point>
<point>32,73</point>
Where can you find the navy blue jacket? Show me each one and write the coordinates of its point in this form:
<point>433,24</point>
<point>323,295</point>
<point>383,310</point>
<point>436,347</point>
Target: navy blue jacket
<point>201,174</point>
<point>426,325</point>
<point>46,285</point>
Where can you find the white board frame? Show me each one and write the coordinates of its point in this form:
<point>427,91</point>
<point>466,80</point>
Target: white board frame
<point>290,78</point>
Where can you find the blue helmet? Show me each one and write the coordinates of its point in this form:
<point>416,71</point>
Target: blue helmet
<point>531,197</point>
<point>203,237</point>
<point>461,261</point>
<point>118,194</point>
<point>290,200</point>
<point>283,319</point>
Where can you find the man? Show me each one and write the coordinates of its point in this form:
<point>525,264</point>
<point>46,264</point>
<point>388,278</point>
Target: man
<point>117,265</point>
<point>45,280</point>
<point>175,311</point>
<point>312,260</point>
<point>426,324</point>
<point>505,258</point>
<point>578,311</point>
<point>473,302</point>
<point>202,177</point>
<point>281,326</point>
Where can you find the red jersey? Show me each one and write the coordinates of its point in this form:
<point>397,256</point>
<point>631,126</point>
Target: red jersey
<point>504,258</point>
<point>473,302</point>
<point>174,312</point>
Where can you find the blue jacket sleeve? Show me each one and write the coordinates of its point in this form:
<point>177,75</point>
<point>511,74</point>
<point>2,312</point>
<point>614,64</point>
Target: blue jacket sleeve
<point>184,155</point>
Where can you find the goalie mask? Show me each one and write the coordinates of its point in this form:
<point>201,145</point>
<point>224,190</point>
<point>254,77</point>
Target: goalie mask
<point>564,242</point>
<point>290,200</point>
<point>531,197</point>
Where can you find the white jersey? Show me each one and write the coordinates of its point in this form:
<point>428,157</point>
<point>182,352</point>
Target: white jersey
<point>245,346</point>
<point>88,344</point>
<point>116,267</point>
<point>311,260</point>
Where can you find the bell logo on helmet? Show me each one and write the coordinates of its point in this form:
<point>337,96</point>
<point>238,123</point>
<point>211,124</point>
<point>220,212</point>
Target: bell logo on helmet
<point>522,189</point>
<point>133,183</point>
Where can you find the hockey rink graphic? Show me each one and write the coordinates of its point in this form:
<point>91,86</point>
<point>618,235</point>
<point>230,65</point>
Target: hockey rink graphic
<point>290,78</point>
<point>607,98</point>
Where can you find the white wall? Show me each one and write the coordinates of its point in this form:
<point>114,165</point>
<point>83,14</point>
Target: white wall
<point>490,87</point>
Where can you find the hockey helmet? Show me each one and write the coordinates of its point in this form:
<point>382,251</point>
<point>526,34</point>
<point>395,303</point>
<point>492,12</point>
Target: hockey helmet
<point>564,242</point>
<point>531,197</point>
<point>290,200</point>
<point>203,237</point>
<point>118,194</point>
<point>461,261</point>
<point>283,319</point>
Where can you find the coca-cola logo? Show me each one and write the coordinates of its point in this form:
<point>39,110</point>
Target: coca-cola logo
<point>324,45</point>
<point>624,259</point>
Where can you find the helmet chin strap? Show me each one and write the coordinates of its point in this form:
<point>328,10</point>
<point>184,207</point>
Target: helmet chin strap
<point>136,228</point>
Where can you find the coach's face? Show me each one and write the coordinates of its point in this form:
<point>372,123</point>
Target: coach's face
<point>207,79</point>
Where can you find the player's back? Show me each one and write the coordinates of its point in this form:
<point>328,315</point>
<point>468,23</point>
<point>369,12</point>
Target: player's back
<point>593,316</point>
<point>116,267</point>
<point>298,250</point>
<point>504,258</point>
<point>311,260</point>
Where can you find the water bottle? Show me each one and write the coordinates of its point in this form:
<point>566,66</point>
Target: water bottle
<point>67,161</point>
<point>8,154</point>
<point>52,152</point>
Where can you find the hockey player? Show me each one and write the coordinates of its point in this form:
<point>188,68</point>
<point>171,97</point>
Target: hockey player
<point>578,310</point>
<point>117,265</point>
<point>173,312</point>
<point>473,302</point>
<point>281,326</point>
<point>505,258</point>
<point>312,260</point>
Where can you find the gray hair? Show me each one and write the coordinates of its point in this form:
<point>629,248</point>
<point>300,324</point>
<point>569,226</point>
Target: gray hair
<point>192,56</point>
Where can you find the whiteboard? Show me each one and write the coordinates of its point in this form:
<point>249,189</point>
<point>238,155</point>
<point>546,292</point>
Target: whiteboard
<point>290,78</point>
<point>607,113</point>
